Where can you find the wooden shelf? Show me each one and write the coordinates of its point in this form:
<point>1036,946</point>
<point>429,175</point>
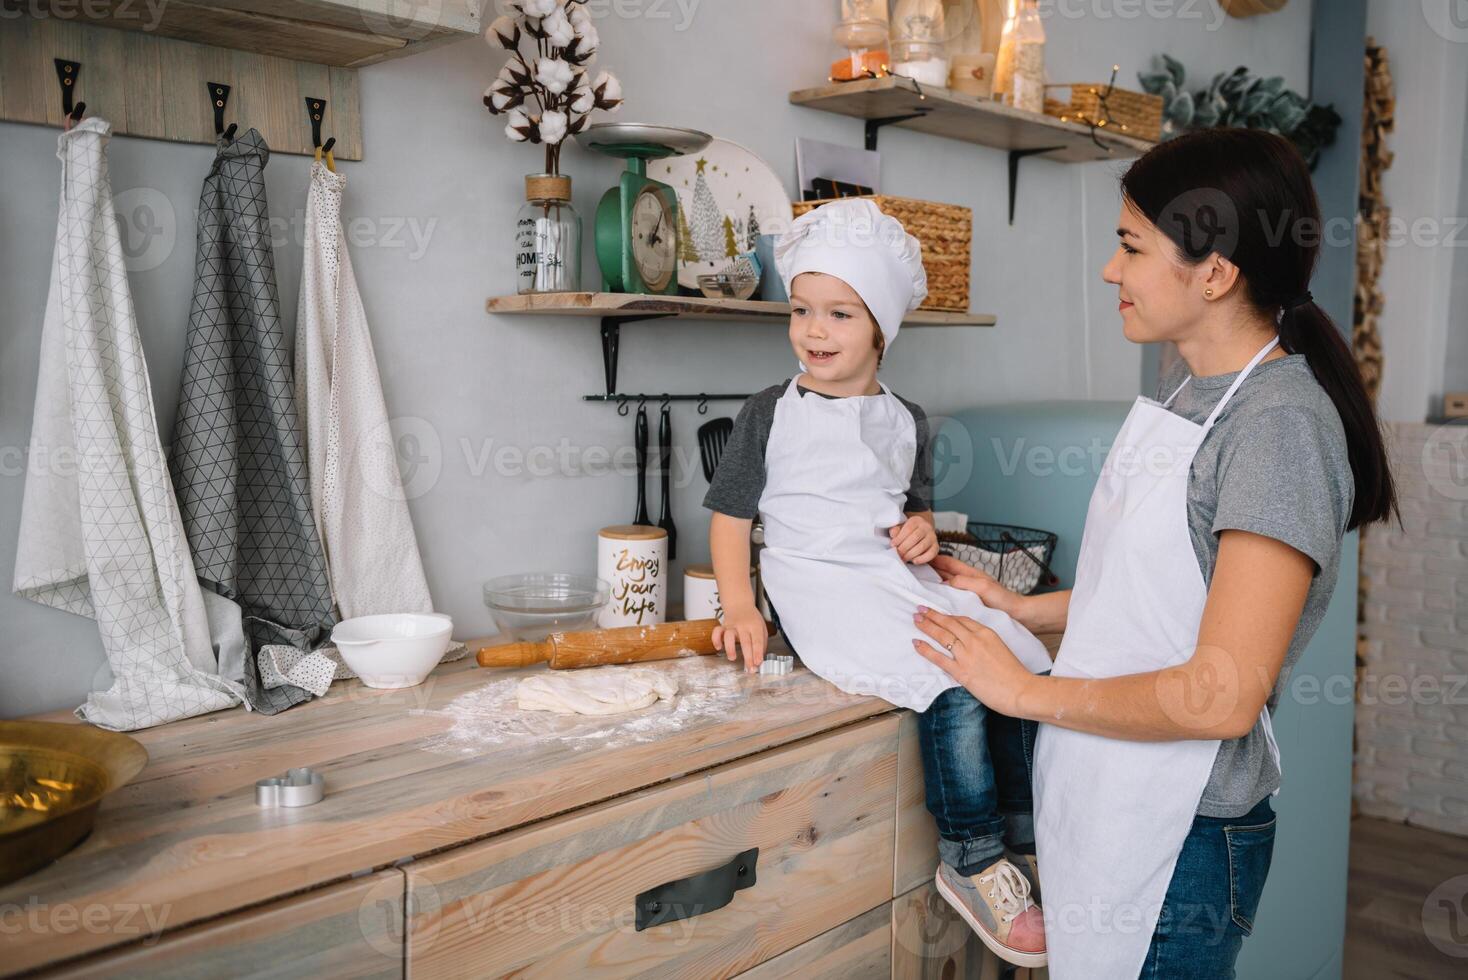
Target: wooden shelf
<point>336,33</point>
<point>615,309</point>
<point>634,306</point>
<point>973,120</point>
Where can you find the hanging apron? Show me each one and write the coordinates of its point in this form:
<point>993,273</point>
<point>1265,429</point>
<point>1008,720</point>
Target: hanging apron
<point>838,471</point>
<point>100,534</point>
<point>356,492</point>
<point>238,464</point>
<point>1111,815</point>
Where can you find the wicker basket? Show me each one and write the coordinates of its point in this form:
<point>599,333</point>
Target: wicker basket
<point>946,232</point>
<point>1017,557</point>
<point>1133,113</point>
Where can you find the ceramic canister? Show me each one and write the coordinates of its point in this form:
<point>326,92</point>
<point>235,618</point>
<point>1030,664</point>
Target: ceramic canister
<point>701,593</point>
<point>633,558</point>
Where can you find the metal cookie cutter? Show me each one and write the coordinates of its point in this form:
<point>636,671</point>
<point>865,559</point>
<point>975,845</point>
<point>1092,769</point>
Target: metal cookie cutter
<point>297,787</point>
<point>777,663</point>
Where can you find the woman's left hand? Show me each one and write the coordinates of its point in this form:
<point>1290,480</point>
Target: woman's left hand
<point>976,657</point>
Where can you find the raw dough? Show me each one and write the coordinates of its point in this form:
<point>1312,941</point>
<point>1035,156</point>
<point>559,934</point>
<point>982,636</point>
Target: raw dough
<point>600,691</point>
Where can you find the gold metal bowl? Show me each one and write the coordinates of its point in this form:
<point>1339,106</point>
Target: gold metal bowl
<point>52,777</point>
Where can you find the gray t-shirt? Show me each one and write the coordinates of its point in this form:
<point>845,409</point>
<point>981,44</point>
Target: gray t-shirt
<point>1276,465</point>
<point>739,482</point>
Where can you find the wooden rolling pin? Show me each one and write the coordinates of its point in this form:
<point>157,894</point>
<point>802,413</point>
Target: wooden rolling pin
<point>621,645</point>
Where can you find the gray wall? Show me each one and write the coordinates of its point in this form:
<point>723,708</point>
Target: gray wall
<point>471,386</point>
<point>1455,363</point>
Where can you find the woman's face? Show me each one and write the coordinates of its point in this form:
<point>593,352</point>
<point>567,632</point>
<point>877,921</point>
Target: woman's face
<point>831,330</point>
<point>1160,296</point>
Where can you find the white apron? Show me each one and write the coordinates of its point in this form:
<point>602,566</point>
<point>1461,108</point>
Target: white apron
<point>100,530</point>
<point>357,496</point>
<point>1111,815</point>
<point>837,475</point>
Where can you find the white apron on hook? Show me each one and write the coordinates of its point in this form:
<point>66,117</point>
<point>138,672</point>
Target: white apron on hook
<point>356,491</point>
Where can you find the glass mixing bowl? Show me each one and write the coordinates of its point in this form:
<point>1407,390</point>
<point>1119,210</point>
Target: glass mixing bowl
<point>530,607</point>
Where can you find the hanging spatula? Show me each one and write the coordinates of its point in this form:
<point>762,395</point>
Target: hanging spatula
<point>639,438</point>
<point>665,471</point>
<point>713,435</point>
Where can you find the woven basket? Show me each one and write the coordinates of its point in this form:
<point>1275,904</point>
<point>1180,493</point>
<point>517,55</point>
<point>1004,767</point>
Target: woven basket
<point>946,232</point>
<point>1133,113</point>
<point>996,549</point>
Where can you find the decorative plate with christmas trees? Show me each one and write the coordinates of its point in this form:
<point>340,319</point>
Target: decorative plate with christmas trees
<point>727,198</point>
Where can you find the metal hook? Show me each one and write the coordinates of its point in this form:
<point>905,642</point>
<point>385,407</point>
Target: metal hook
<point>67,73</point>
<point>703,403</point>
<point>667,399</point>
<point>622,407</point>
<point>219,98</point>
<point>315,111</point>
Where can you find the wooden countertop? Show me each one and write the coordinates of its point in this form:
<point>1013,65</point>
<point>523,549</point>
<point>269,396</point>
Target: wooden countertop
<point>407,773</point>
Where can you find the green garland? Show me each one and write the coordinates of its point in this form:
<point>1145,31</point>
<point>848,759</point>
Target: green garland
<point>1238,98</point>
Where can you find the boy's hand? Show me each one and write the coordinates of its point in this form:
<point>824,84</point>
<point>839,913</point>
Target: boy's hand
<point>916,540</point>
<point>743,628</point>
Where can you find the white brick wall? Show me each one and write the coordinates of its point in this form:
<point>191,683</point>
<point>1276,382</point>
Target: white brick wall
<point>1412,719</point>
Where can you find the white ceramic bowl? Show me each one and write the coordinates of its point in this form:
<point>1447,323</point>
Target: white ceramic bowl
<point>393,650</point>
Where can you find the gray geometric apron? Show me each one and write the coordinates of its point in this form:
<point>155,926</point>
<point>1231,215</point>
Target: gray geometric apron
<point>238,463</point>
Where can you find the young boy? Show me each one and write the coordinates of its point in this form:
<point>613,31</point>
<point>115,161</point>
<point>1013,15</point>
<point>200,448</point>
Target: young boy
<point>836,466</point>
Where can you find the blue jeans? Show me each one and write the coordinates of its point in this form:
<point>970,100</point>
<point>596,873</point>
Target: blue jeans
<point>977,767</point>
<point>1213,897</point>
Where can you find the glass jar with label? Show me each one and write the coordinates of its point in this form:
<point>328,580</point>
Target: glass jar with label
<point>547,237</point>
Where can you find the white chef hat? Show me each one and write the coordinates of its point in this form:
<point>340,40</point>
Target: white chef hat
<point>871,252</point>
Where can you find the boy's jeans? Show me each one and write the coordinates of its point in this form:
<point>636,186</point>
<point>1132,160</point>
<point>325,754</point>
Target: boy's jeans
<point>977,766</point>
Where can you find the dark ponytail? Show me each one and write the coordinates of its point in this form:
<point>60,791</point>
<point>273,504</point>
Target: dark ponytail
<point>1246,195</point>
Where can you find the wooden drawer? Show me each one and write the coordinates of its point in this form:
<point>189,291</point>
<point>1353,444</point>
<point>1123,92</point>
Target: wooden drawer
<point>557,899</point>
<point>915,937</point>
<point>353,929</point>
<point>857,950</point>
<point>917,834</point>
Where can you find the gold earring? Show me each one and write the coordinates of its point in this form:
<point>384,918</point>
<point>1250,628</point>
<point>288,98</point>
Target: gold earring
<point>1207,292</point>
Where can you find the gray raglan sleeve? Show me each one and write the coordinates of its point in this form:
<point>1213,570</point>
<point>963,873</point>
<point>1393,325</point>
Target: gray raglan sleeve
<point>920,487</point>
<point>1280,477</point>
<point>739,480</point>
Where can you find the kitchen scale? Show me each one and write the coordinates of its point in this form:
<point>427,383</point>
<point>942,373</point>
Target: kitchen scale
<point>637,220</point>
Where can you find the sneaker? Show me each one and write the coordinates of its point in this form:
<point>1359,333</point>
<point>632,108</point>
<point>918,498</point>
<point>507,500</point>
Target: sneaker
<point>1029,866</point>
<point>996,904</point>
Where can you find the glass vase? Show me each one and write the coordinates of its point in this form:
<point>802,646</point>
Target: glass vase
<point>547,237</point>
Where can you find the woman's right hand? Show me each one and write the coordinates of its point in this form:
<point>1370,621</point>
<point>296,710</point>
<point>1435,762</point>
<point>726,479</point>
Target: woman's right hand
<point>743,629</point>
<point>980,583</point>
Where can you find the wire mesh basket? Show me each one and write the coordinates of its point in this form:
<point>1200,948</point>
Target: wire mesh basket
<point>1017,557</point>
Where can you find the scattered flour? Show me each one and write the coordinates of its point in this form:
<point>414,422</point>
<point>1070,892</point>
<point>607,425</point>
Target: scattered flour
<point>488,718</point>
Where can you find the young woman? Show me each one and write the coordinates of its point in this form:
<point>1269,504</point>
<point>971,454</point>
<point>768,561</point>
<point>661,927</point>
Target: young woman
<point>1210,554</point>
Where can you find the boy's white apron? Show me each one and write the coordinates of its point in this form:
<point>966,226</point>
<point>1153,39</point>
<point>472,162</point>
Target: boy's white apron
<point>1111,815</point>
<point>837,474</point>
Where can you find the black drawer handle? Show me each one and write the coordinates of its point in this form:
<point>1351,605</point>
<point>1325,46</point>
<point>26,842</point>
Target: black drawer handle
<point>706,891</point>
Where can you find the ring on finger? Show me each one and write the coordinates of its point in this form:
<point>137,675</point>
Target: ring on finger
<point>952,641</point>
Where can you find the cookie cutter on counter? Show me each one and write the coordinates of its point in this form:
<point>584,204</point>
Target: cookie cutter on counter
<point>296,787</point>
<point>777,663</point>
